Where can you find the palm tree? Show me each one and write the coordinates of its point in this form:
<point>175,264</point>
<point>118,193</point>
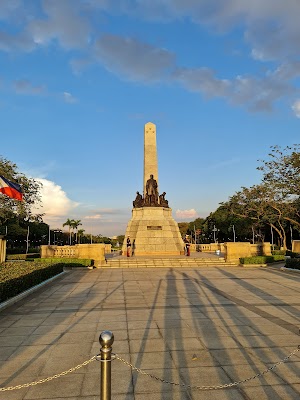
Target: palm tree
<point>75,224</point>
<point>70,223</point>
<point>80,233</point>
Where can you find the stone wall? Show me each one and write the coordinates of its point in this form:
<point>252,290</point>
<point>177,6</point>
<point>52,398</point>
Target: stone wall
<point>235,250</point>
<point>296,246</point>
<point>208,247</point>
<point>94,251</point>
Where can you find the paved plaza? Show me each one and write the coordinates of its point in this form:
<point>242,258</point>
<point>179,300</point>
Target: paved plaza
<point>200,326</point>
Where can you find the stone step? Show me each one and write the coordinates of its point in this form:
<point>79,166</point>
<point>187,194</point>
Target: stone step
<point>167,262</point>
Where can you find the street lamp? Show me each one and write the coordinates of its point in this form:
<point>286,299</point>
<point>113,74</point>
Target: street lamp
<point>214,231</point>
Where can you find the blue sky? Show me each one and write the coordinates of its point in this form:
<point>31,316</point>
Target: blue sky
<point>80,78</point>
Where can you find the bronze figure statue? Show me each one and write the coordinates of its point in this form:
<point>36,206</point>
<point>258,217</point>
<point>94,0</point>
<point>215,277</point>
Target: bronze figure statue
<point>151,196</point>
<point>138,202</point>
<point>162,201</point>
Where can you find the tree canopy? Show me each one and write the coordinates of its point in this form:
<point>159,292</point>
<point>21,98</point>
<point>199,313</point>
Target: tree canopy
<point>11,208</point>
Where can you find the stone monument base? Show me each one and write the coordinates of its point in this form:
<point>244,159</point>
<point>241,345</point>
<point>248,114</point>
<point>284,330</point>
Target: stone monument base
<point>153,231</point>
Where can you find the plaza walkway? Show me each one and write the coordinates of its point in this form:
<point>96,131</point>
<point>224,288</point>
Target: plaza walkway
<point>198,326</point>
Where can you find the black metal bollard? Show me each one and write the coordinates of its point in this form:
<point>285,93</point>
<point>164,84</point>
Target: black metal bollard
<point>106,340</point>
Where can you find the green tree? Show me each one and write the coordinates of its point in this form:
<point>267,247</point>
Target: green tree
<point>69,222</point>
<point>80,233</point>
<point>120,239</point>
<point>11,208</point>
<point>282,170</point>
<point>183,228</point>
<point>75,224</point>
<point>263,208</point>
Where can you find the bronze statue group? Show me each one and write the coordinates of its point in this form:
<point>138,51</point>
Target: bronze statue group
<point>152,198</point>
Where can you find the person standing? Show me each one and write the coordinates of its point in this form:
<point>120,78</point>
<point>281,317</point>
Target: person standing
<point>187,245</point>
<point>128,246</point>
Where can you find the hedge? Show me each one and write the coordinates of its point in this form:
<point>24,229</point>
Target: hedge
<point>293,263</point>
<point>22,256</point>
<point>261,259</point>
<point>278,252</point>
<point>16,277</point>
<point>21,250</point>
<point>292,254</point>
<point>73,262</point>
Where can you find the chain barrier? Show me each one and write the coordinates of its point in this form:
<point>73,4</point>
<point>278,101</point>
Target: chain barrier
<point>50,378</point>
<point>141,371</point>
<point>226,385</point>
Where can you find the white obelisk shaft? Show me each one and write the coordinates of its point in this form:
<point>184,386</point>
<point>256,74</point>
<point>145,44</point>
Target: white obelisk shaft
<point>150,153</point>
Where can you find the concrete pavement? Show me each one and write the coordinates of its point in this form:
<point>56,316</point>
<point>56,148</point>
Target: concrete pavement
<point>204,326</point>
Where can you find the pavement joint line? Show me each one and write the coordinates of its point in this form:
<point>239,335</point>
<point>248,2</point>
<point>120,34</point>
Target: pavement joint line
<point>133,308</point>
<point>279,322</point>
<point>176,294</point>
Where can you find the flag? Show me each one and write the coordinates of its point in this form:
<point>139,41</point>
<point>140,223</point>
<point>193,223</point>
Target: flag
<point>11,189</point>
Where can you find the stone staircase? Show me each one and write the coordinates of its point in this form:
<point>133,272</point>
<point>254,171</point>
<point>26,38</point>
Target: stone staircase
<point>190,262</point>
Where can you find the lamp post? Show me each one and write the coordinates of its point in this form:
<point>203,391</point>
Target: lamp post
<point>214,231</point>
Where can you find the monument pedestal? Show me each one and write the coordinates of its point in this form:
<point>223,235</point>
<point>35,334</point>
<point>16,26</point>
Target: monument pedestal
<point>153,231</point>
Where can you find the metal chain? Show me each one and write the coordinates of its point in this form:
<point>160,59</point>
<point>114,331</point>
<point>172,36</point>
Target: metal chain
<point>226,385</point>
<point>50,378</point>
<point>115,356</point>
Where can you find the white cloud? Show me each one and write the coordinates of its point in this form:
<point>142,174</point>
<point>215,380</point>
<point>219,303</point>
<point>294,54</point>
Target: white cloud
<point>68,98</point>
<point>133,59</point>
<point>296,108</point>
<point>97,216</point>
<point>24,86</point>
<point>187,214</point>
<point>63,23</point>
<point>8,8</point>
<point>202,80</point>
<point>55,203</point>
<point>270,29</point>
<point>256,93</point>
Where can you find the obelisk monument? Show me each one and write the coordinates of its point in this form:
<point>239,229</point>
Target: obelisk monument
<point>152,229</point>
<point>150,154</point>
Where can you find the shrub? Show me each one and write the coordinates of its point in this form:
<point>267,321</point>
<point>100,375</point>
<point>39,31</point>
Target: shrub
<point>22,256</point>
<point>16,277</point>
<point>278,252</point>
<point>278,258</point>
<point>21,250</point>
<point>292,254</point>
<point>76,262</point>
<point>261,259</point>
<point>293,263</point>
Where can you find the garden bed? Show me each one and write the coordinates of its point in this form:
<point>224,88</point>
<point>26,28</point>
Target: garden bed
<point>16,277</point>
